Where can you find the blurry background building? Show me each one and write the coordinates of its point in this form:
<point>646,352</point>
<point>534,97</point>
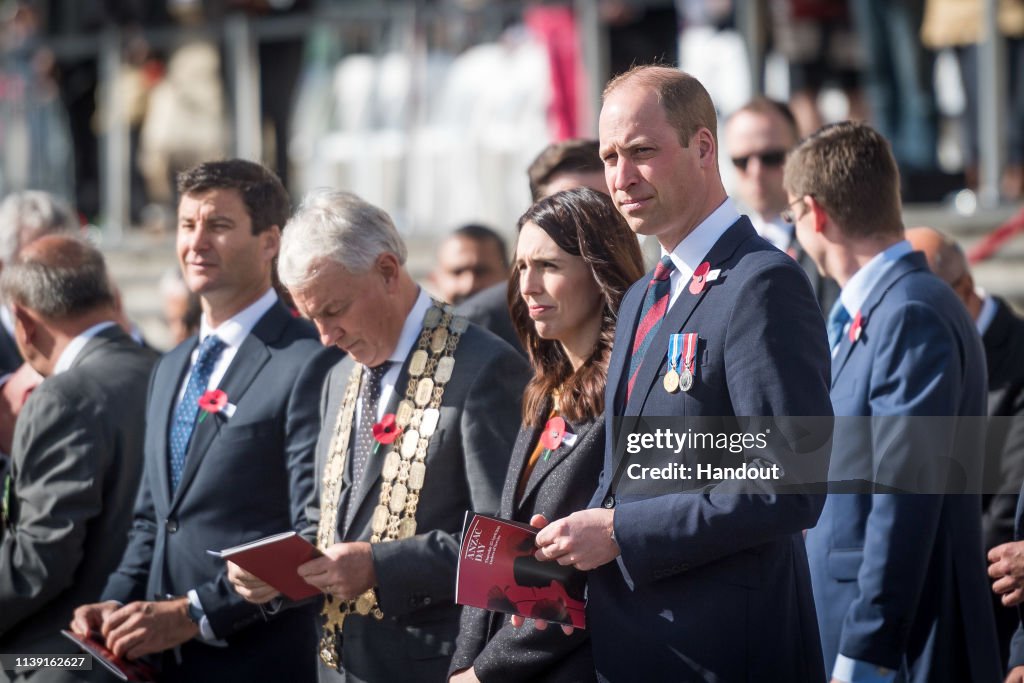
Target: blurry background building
<point>434,108</point>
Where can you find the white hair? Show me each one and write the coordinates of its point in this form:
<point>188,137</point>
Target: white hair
<point>339,227</point>
<point>27,216</point>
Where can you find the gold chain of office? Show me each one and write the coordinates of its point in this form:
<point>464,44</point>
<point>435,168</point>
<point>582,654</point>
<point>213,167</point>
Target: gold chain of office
<point>405,467</point>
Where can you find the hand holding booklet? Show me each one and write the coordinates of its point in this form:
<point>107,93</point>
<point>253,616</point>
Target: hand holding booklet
<point>275,560</point>
<point>124,669</point>
<point>498,571</point>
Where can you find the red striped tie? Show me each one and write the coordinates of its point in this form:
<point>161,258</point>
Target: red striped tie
<point>656,301</point>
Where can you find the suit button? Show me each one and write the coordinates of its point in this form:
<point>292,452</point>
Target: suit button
<point>426,600</point>
<point>171,525</point>
<point>608,502</point>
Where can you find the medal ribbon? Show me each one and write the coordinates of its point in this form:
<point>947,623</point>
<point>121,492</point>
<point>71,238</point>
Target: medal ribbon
<point>689,350</point>
<point>675,347</point>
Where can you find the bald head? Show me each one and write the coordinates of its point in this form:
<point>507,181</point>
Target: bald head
<point>947,260</point>
<point>58,277</point>
<point>945,257</point>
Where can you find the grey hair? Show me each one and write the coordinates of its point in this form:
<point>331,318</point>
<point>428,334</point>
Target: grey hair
<point>335,226</point>
<point>67,279</point>
<point>27,216</point>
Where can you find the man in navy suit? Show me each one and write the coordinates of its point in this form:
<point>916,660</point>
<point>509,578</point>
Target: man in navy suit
<point>699,582</point>
<point>219,478</point>
<point>895,562</point>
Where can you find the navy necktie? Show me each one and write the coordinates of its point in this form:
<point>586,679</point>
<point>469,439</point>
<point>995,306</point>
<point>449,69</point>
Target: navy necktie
<point>185,414</point>
<point>837,320</point>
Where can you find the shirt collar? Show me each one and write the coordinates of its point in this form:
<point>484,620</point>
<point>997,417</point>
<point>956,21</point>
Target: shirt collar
<point>411,328</point>
<point>988,311</point>
<point>75,346</point>
<point>689,253</point>
<point>859,287</point>
<point>235,329</point>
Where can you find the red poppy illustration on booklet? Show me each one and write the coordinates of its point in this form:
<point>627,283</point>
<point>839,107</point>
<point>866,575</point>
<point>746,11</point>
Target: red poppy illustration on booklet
<point>124,669</point>
<point>498,571</point>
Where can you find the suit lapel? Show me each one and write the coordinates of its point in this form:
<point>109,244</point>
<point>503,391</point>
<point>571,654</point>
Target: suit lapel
<point>681,312</point>
<point>252,355</point>
<point>521,452</point>
<point>544,467</point>
<point>629,313</point>
<point>906,264</point>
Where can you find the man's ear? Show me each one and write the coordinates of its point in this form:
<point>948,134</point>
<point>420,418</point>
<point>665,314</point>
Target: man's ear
<point>818,212</point>
<point>26,323</point>
<point>270,241</point>
<point>706,148</point>
<point>388,266</point>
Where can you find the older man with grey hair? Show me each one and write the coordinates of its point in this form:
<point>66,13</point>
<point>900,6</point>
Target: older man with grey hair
<point>77,454</point>
<point>388,513</point>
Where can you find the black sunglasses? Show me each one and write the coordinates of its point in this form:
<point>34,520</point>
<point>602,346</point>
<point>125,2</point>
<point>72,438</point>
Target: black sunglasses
<point>773,158</point>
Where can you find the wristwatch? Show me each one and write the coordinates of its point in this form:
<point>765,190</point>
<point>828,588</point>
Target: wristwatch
<point>195,613</point>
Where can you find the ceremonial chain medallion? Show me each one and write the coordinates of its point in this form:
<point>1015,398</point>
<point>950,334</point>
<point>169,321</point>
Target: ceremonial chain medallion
<point>404,469</point>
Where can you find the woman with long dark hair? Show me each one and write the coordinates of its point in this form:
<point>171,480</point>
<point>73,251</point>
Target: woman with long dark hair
<point>575,258</point>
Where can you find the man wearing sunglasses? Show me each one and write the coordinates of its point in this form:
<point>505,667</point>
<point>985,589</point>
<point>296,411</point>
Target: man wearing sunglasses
<point>757,137</point>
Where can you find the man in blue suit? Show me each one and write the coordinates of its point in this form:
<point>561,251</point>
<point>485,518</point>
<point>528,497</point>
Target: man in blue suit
<point>704,581</point>
<point>895,558</point>
<point>218,478</point>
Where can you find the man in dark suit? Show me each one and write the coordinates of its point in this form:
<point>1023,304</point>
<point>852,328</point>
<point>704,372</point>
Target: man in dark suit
<point>675,576</point>
<point>900,591</point>
<point>214,479</point>
<point>453,389</point>
<point>77,454</point>
<point>758,136</point>
<point>1002,334</point>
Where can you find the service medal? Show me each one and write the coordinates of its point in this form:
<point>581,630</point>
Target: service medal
<point>671,381</point>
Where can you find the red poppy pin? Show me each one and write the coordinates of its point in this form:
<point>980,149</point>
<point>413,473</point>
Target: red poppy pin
<point>856,327</point>
<point>699,278</point>
<point>214,402</point>
<point>702,277</point>
<point>552,436</point>
<point>386,431</point>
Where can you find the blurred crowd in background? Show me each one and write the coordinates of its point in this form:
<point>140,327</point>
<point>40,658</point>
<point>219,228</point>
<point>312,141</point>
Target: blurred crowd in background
<point>410,102</point>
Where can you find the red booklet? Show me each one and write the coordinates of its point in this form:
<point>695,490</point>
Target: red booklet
<point>124,669</point>
<point>276,559</point>
<point>497,571</point>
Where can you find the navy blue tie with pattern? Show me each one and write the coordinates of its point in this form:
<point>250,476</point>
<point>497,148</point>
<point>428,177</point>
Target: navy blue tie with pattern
<point>185,414</point>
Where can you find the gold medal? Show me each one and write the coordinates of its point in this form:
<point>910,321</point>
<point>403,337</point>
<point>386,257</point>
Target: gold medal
<point>365,603</point>
<point>417,474</point>
<point>410,440</point>
<point>424,390</point>
<point>418,363</point>
<point>404,413</point>
<point>686,381</point>
<point>379,521</point>
<point>428,422</point>
<point>398,498</point>
<point>671,381</point>
<point>391,462</point>
<point>432,318</point>
<point>407,528</point>
<point>443,373</point>
<point>438,339</point>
